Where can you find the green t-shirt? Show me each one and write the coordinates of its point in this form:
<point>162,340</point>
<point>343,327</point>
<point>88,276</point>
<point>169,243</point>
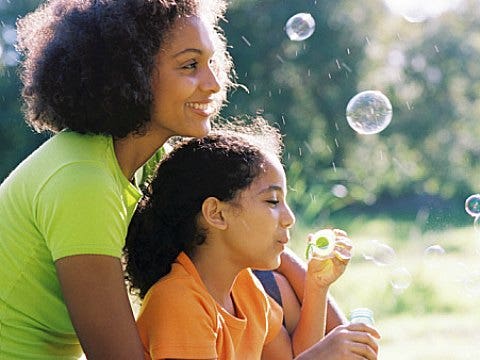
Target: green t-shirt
<point>69,197</point>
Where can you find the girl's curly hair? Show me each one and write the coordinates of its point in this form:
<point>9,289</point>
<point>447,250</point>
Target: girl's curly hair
<point>220,165</point>
<point>87,64</point>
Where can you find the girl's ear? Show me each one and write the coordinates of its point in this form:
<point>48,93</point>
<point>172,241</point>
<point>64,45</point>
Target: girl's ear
<point>212,211</point>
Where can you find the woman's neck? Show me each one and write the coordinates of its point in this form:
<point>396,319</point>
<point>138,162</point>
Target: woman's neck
<point>133,151</point>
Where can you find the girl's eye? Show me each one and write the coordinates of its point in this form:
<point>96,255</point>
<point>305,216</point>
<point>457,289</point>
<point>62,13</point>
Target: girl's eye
<point>273,202</point>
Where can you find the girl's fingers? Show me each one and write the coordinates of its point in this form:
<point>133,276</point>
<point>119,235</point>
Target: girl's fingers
<point>359,327</point>
<point>340,232</point>
<point>343,249</point>
<point>344,241</point>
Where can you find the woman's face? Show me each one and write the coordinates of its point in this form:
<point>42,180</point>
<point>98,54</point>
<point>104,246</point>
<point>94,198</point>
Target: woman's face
<point>260,219</point>
<point>185,89</point>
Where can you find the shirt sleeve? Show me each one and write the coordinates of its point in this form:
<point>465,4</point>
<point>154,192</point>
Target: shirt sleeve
<point>80,211</point>
<point>178,322</point>
<point>275,319</point>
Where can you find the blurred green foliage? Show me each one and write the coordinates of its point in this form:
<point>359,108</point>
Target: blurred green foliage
<point>429,71</point>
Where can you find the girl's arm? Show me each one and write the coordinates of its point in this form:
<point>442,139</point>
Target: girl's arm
<point>321,273</point>
<point>294,269</point>
<point>94,290</point>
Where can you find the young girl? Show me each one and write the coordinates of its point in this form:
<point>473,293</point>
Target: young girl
<point>113,79</point>
<point>216,208</point>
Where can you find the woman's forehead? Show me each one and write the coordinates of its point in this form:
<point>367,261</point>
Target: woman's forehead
<point>189,32</point>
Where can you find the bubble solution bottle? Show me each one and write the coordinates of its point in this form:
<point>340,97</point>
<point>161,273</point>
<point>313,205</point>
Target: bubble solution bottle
<point>362,315</point>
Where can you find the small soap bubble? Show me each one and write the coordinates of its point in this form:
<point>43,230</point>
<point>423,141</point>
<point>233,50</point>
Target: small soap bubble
<point>369,112</point>
<point>300,27</point>
<point>434,251</point>
<point>472,283</point>
<point>472,205</point>
<point>400,278</point>
<point>379,253</point>
<point>339,190</point>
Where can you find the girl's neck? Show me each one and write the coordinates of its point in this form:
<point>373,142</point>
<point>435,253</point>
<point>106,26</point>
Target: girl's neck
<point>218,277</point>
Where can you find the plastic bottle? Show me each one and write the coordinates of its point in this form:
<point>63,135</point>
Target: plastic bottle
<point>362,315</point>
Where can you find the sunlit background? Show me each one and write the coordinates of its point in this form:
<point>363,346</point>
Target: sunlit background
<point>379,102</point>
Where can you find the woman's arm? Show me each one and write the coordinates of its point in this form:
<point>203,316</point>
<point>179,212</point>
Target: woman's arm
<point>94,290</point>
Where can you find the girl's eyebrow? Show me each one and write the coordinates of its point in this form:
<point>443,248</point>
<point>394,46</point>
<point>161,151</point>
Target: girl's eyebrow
<point>271,188</point>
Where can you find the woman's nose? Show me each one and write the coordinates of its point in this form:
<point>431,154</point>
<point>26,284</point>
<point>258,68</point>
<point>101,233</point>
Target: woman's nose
<point>210,82</point>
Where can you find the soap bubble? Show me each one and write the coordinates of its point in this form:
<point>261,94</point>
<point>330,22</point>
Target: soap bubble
<point>434,251</point>
<point>300,27</point>
<point>472,205</point>
<point>472,283</point>
<point>369,112</point>
<point>379,253</point>
<point>400,278</point>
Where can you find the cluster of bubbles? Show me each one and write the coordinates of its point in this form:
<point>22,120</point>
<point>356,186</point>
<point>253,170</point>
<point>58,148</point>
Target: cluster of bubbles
<point>368,112</point>
<point>400,278</point>
<point>383,255</point>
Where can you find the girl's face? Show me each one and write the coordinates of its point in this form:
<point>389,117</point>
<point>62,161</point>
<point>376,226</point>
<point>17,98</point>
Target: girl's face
<point>185,89</point>
<point>260,219</point>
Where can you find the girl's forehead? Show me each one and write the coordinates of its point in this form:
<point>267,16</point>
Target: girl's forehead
<point>271,176</point>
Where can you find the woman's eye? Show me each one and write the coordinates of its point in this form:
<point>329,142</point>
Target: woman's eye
<point>190,65</point>
<point>273,202</point>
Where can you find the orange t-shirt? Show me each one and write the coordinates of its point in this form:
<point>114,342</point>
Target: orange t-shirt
<point>180,319</point>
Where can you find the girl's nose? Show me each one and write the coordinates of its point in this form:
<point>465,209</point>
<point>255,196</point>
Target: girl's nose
<point>288,219</point>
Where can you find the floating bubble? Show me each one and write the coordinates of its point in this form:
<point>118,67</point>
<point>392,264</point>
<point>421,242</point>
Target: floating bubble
<point>434,251</point>
<point>300,27</point>
<point>379,253</point>
<point>472,283</point>
<point>369,112</point>
<point>400,278</point>
<point>339,190</point>
<point>472,205</point>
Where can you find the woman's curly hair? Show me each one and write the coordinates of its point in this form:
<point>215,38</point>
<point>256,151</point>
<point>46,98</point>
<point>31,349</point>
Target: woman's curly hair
<point>87,64</point>
<point>218,165</point>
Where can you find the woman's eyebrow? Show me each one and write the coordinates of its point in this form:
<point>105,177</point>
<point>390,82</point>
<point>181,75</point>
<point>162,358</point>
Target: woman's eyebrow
<point>194,50</point>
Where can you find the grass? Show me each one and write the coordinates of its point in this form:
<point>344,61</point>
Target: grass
<point>436,316</point>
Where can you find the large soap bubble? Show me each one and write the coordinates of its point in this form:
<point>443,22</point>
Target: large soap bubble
<point>379,253</point>
<point>300,27</point>
<point>369,112</point>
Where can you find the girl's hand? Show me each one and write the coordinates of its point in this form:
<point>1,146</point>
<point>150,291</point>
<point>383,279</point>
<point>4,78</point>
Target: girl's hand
<point>326,270</point>
<point>346,342</point>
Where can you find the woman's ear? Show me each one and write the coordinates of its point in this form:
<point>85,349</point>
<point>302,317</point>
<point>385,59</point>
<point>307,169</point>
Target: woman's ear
<point>212,211</point>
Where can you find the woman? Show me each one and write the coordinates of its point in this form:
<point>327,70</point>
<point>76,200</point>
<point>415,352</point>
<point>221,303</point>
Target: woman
<point>113,79</point>
<point>216,208</point>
